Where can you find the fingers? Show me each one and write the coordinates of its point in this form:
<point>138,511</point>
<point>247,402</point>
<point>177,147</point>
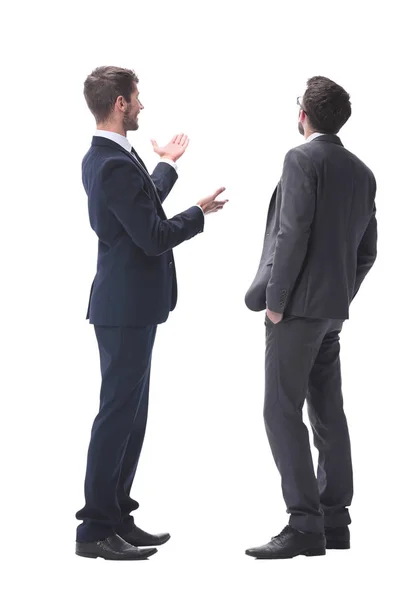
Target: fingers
<point>154,143</point>
<point>180,139</point>
<point>218,192</point>
<point>219,205</point>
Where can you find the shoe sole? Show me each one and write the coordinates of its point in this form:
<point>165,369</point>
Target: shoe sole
<point>309,553</point>
<point>90,555</point>
<point>318,552</point>
<point>335,545</point>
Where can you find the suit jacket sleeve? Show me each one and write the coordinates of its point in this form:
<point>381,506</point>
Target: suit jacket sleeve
<point>367,251</point>
<point>298,200</point>
<point>129,201</point>
<point>164,177</point>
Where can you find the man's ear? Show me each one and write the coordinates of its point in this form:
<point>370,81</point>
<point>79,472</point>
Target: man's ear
<point>120,103</point>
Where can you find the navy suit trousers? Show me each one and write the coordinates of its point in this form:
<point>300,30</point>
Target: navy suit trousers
<point>118,431</point>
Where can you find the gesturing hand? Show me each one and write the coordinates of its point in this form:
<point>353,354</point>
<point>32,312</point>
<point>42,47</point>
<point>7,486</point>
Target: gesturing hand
<point>210,204</point>
<point>174,149</point>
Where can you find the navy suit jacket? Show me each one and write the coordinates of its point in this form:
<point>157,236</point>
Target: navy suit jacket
<point>135,283</point>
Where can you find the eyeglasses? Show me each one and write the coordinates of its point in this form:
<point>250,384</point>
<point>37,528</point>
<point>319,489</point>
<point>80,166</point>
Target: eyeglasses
<point>299,100</point>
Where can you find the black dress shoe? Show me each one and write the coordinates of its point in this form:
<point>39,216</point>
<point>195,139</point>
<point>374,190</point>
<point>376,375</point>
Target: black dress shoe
<point>113,548</point>
<point>290,543</point>
<point>138,537</point>
<point>337,538</point>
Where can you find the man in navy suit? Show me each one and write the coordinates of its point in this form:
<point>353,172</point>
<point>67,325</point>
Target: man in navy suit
<point>134,290</point>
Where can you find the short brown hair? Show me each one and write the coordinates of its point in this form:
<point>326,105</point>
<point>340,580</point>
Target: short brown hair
<point>104,85</point>
<point>327,105</point>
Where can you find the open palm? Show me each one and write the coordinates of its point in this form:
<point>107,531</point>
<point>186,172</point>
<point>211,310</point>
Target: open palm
<point>174,149</point>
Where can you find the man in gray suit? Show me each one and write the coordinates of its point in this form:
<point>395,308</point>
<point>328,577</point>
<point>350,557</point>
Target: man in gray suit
<point>320,242</point>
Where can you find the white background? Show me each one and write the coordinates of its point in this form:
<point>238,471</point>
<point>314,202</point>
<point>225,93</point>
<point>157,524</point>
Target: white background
<point>228,75</point>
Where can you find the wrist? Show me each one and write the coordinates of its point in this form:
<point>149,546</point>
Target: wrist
<point>168,157</point>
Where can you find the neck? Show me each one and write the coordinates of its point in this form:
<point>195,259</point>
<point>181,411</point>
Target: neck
<point>113,127</point>
<point>309,132</point>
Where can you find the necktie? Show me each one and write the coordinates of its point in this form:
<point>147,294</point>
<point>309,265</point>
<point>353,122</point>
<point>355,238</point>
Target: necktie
<point>137,157</point>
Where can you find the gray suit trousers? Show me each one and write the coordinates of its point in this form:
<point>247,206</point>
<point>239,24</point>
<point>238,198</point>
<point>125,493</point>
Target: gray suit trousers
<point>303,362</point>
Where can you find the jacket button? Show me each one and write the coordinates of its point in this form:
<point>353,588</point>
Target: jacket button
<point>171,265</point>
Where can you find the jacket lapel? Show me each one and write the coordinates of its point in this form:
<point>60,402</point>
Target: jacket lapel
<point>271,207</point>
<point>139,159</point>
<point>141,166</point>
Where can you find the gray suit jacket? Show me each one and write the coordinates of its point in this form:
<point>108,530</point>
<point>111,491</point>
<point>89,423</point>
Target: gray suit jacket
<point>321,233</point>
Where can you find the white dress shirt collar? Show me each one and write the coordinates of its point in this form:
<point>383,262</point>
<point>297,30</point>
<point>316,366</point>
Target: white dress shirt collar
<point>115,137</point>
<point>313,136</point>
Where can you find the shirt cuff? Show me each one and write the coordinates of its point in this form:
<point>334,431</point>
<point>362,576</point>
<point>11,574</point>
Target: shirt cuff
<point>170,162</point>
<point>200,208</point>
